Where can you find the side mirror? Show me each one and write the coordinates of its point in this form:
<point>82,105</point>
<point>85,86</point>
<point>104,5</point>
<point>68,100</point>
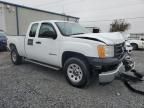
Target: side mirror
<point>142,39</point>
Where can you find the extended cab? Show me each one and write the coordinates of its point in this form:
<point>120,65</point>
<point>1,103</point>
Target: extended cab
<point>68,46</point>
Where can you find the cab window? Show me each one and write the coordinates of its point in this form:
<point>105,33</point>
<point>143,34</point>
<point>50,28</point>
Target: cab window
<point>47,31</point>
<point>33,30</point>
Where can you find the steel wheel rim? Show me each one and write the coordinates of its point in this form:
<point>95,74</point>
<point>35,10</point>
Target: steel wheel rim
<point>74,73</point>
<point>14,56</point>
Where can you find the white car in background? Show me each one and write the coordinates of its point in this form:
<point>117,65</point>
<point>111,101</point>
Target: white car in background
<point>137,43</point>
<point>128,46</point>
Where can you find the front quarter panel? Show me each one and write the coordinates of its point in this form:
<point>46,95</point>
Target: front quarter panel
<point>85,47</point>
<point>82,48</point>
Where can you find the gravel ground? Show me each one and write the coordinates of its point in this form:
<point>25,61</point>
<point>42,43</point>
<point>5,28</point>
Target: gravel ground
<point>33,86</point>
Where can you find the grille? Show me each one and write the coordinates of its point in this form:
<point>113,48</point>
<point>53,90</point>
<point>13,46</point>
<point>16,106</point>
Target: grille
<point>119,50</point>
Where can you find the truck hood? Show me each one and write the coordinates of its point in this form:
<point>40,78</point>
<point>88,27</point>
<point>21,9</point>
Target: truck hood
<point>108,38</point>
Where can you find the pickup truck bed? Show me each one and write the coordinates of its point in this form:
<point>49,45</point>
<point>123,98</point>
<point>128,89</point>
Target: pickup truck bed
<point>19,42</point>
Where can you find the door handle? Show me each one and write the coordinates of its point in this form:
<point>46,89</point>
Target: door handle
<point>38,42</point>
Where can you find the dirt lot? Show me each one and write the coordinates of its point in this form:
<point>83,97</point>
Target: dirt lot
<point>33,86</point>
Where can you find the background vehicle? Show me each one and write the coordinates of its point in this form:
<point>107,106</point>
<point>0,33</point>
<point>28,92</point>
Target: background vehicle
<point>137,43</point>
<point>3,41</point>
<point>68,46</point>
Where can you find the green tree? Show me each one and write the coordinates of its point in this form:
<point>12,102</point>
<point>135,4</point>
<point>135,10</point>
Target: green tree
<point>119,25</point>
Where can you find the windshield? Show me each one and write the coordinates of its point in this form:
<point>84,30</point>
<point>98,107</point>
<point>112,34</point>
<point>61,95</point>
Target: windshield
<point>68,29</point>
<point>2,34</point>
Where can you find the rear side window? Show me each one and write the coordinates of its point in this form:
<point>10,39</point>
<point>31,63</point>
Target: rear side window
<point>33,30</point>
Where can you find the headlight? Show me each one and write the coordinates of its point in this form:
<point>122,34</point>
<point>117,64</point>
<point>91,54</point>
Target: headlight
<point>105,51</point>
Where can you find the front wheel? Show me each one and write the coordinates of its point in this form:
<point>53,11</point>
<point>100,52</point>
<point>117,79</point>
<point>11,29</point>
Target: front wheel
<point>77,72</point>
<point>15,58</point>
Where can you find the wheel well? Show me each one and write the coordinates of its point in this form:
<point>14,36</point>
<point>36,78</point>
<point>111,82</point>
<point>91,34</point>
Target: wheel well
<point>68,54</point>
<point>134,44</point>
<point>12,46</point>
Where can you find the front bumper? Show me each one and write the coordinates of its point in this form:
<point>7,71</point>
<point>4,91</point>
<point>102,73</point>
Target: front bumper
<point>129,49</point>
<point>105,62</point>
<point>109,76</point>
<point>107,68</point>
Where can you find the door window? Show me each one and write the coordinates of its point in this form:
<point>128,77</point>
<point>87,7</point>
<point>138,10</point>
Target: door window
<point>47,31</point>
<point>33,30</point>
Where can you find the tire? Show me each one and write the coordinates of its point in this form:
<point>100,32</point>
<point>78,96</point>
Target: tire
<point>135,46</point>
<point>77,72</point>
<point>15,58</point>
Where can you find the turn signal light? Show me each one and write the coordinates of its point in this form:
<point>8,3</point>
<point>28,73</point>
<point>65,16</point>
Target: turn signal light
<point>101,51</point>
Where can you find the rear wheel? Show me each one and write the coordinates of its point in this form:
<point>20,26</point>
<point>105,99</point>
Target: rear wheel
<point>77,72</point>
<point>135,46</point>
<point>15,58</point>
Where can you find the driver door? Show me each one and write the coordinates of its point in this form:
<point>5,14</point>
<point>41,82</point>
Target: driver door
<point>47,44</point>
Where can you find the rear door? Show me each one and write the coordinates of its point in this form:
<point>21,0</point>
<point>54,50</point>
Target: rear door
<point>30,42</point>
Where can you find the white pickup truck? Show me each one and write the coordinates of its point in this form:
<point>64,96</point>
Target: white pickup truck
<point>68,46</point>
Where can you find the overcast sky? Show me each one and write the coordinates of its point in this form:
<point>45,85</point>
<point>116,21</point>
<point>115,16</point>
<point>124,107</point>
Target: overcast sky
<point>91,10</point>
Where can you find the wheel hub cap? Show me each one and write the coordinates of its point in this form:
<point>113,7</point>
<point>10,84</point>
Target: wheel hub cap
<point>14,56</point>
<point>75,73</point>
